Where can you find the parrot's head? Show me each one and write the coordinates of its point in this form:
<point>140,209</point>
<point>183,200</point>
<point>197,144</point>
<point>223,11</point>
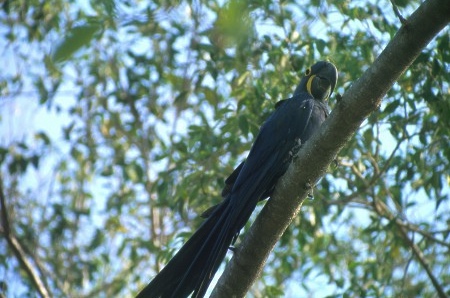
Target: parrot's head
<point>319,80</point>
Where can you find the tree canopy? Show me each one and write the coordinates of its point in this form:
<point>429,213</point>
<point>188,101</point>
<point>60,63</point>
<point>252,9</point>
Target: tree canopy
<point>121,119</point>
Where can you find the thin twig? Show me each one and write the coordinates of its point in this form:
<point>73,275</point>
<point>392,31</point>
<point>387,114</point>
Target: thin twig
<point>398,14</point>
<point>4,212</point>
<point>383,210</point>
<point>17,249</point>
<point>364,204</point>
<point>421,258</point>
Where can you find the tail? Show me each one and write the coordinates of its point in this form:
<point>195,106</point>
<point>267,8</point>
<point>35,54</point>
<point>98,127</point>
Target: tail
<point>194,266</point>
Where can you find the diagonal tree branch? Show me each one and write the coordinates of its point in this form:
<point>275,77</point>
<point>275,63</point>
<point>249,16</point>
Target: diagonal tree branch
<point>17,248</point>
<point>361,99</point>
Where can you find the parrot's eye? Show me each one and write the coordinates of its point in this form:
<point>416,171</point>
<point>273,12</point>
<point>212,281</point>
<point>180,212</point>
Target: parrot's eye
<point>308,72</point>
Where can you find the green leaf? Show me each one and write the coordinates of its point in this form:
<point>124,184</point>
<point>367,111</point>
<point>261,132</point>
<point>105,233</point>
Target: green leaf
<point>77,38</point>
<point>43,136</point>
<point>35,161</point>
<point>3,153</point>
<point>18,165</point>
<point>243,125</point>
<point>391,107</point>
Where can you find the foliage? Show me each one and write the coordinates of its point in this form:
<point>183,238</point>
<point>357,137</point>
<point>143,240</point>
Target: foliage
<point>143,109</point>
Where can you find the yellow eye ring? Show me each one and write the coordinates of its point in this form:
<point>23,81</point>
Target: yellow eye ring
<point>308,72</point>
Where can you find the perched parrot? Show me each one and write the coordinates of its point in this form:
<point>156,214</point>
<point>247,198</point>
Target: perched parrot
<point>292,123</point>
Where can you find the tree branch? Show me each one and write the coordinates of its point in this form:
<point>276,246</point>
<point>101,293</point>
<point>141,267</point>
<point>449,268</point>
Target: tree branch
<point>17,249</point>
<point>361,99</point>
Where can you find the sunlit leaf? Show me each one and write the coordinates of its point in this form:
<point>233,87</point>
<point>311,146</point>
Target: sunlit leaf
<point>76,38</point>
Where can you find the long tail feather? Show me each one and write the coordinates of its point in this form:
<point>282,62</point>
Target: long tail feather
<point>201,255</point>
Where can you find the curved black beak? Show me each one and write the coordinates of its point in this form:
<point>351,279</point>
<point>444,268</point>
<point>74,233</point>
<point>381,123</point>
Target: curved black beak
<point>326,70</point>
